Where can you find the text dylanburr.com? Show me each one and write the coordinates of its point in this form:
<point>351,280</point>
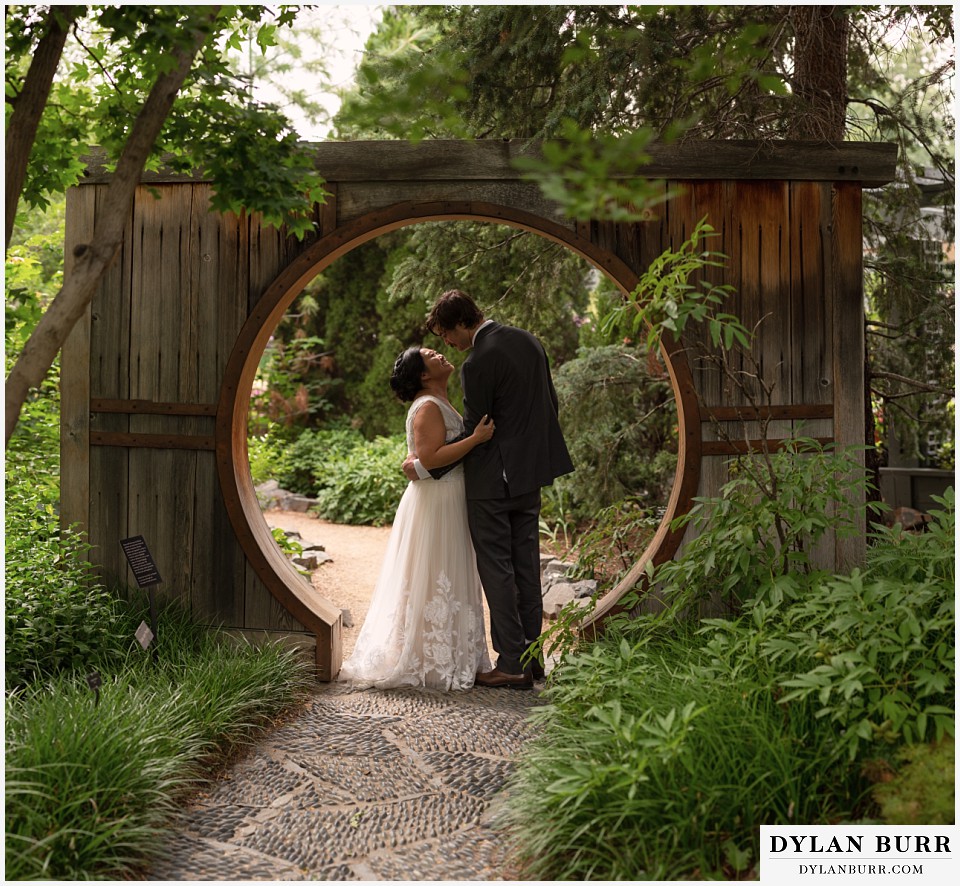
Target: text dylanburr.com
<point>855,854</point>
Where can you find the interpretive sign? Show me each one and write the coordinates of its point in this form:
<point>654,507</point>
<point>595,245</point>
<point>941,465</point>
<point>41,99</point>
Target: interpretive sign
<point>147,575</point>
<point>138,556</point>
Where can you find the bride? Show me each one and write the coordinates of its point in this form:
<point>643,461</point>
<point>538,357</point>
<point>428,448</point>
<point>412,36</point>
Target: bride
<point>425,624</point>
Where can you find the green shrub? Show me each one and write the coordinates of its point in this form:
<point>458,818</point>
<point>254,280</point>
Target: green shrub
<point>616,537</point>
<point>755,539</point>
<point>877,653</point>
<point>922,791</point>
<point>635,740</point>
<point>694,733</point>
<point>57,615</point>
<point>268,455</point>
<point>365,484</point>
<point>313,455</point>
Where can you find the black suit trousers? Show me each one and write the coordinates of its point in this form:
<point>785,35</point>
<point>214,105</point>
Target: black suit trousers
<point>506,537</point>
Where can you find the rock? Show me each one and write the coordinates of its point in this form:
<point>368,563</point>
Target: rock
<point>585,588</point>
<point>269,493</point>
<point>556,568</point>
<point>559,596</point>
<point>297,503</point>
<point>347,618</point>
<point>311,558</point>
<point>554,572</point>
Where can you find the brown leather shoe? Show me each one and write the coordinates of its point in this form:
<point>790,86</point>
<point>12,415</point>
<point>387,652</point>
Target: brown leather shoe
<point>497,678</point>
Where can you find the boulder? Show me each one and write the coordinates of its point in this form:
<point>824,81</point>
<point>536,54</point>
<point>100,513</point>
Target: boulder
<point>311,558</point>
<point>269,493</point>
<point>297,503</point>
<point>559,596</point>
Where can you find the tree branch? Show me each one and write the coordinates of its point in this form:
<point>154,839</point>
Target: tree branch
<point>29,106</point>
<point>90,261</point>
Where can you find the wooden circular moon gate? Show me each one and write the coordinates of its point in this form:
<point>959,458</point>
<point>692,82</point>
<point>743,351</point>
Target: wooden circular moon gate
<point>156,379</point>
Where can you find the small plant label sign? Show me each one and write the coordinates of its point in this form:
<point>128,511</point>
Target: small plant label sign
<point>94,681</point>
<point>144,635</point>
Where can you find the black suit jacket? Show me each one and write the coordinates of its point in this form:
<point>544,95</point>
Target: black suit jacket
<point>507,376</point>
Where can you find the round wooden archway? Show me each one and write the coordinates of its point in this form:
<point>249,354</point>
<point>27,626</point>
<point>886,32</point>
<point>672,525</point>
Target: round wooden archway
<point>157,375</point>
<point>234,403</point>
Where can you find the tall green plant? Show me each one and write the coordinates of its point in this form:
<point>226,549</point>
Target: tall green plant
<point>57,614</point>
<point>758,534</point>
<point>92,785</point>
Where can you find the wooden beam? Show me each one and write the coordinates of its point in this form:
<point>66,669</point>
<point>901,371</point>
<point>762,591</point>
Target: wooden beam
<point>870,163</point>
<point>150,407</point>
<point>742,447</point>
<point>152,441</point>
<point>786,411</point>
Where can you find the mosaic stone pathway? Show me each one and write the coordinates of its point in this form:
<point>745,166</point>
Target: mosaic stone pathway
<point>371,785</point>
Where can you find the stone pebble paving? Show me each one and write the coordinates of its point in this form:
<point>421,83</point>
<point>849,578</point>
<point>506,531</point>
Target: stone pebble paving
<point>361,785</point>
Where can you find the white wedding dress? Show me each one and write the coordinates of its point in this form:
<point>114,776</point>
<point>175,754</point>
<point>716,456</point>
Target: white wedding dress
<point>425,626</point>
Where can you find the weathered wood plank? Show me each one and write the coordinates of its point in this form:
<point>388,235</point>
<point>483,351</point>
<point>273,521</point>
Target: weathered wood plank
<point>215,264</point>
<point>218,593</point>
<point>330,210</point>
<point>233,260</point>
<point>772,209</point>
<point>262,611</point>
<point>741,447</point>
<point>110,377</point>
<point>150,407</point>
<point>871,163</point>
<point>75,381</point>
<point>163,320</point>
<point>848,343</point>
<point>756,257</point>
<point>811,324</point>
<point>143,440</point>
<point>265,263</point>
<point>782,411</point>
<point>110,321</point>
<point>360,198</point>
<point>712,200</point>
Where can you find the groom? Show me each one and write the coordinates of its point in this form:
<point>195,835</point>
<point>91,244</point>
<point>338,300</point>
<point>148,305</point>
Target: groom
<point>506,376</point>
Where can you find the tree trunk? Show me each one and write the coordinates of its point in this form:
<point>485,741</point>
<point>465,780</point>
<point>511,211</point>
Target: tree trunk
<point>28,107</point>
<point>93,259</point>
<point>820,72</point>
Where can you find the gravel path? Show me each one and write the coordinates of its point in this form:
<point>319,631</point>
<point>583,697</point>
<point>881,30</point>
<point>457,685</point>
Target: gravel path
<point>359,785</point>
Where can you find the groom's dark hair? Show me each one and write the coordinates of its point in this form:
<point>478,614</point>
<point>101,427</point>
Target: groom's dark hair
<point>452,308</point>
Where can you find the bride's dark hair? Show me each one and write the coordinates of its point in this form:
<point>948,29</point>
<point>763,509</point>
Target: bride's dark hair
<point>406,378</point>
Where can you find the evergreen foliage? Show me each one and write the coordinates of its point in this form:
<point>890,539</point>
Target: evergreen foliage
<point>619,420</point>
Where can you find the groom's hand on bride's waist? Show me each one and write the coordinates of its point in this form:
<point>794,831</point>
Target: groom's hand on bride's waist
<point>414,470</point>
